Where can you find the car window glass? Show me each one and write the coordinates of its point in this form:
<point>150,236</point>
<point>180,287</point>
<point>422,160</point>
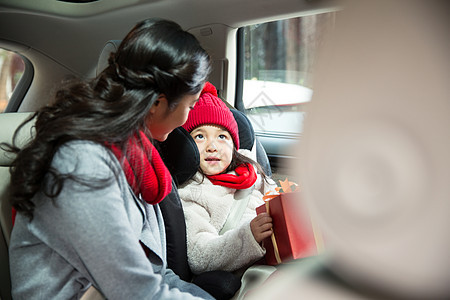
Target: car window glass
<point>12,68</point>
<point>279,58</point>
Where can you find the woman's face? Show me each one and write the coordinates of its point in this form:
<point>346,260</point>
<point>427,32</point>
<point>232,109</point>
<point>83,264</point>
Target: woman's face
<point>215,146</point>
<point>162,120</point>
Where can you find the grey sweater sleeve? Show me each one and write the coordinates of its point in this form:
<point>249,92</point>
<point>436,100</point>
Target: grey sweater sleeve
<point>94,231</point>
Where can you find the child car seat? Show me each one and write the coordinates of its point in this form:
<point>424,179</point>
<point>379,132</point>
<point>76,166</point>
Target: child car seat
<point>181,156</point>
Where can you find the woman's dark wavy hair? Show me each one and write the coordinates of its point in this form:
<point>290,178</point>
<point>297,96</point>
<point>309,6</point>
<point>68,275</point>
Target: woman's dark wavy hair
<point>156,57</point>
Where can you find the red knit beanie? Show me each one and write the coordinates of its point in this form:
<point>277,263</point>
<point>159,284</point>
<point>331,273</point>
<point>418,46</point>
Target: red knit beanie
<point>209,109</point>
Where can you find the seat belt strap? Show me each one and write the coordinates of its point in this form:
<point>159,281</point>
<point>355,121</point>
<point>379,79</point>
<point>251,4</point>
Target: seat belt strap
<point>241,199</point>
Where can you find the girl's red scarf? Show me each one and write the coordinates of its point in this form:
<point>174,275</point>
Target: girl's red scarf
<point>245,177</point>
<point>144,169</point>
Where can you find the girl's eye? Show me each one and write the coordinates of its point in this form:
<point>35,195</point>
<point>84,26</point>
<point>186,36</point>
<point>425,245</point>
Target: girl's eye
<point>222,137</point>
<point>198,136</point>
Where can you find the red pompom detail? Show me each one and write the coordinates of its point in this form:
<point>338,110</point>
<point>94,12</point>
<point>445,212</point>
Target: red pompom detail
<point>209,88</point>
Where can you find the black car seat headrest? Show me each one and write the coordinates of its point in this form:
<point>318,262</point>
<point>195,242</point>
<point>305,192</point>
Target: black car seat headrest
<point>246,132</point>
<point>180,154</point>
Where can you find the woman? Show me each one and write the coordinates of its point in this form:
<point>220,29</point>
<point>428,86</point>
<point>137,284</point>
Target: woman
<point>87,187</point>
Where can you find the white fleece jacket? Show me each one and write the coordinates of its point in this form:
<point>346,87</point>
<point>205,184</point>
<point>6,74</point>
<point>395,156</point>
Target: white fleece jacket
<point>206,208</point>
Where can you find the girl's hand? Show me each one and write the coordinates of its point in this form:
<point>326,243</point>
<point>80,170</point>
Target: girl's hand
<point>261,226</point>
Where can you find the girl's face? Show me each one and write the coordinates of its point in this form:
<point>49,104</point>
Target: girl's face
<point>215,146</point>
<point>161,120</point>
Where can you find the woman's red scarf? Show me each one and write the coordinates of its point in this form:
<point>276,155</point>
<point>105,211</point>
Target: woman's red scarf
<point>144,169</point>
<point>245,177</point>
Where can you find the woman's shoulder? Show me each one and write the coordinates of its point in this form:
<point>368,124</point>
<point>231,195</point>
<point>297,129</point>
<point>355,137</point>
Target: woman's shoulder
<point>83,154</point>
<point>77,145</point>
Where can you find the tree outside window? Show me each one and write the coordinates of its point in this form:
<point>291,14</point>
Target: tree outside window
<point>285,51</point>
<point>279,61</point>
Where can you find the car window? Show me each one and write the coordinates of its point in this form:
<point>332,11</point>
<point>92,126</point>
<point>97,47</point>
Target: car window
<point>278,62</point>
<point>12,68</point>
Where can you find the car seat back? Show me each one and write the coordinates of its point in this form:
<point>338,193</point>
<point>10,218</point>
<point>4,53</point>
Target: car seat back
<point>9,122</point>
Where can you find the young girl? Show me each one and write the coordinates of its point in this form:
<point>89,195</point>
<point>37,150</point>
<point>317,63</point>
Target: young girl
<point>210,196</point>
<point>87,187</point>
